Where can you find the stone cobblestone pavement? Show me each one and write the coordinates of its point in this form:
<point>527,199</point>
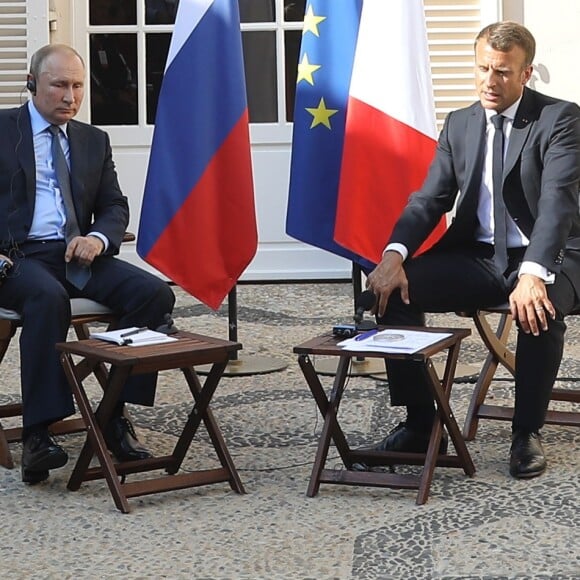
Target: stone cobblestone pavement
<point>486,527</point>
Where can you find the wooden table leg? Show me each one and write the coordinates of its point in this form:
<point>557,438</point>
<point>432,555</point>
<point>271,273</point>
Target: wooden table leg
<point>95,442</point>
<point>5,455</point>
<point>329,408</point>
<point>441,391</point>
<point>201,411</point>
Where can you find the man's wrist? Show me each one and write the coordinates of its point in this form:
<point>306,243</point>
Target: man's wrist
<point>103,239</point>
<point>99,239</point>
<point>537,270</point>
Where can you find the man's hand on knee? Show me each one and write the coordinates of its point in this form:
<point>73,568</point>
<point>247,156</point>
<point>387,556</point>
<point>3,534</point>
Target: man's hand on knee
<point>530,305</point>
<point>387,277</point>
<point>84,249</point>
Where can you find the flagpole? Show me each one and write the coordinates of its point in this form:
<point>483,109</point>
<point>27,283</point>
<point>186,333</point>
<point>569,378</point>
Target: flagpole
<point>360,366</point>
<point>242,365</point>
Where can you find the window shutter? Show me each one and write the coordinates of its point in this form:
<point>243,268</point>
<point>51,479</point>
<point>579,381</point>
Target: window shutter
<point>451,28</point>
<point>13,52</point>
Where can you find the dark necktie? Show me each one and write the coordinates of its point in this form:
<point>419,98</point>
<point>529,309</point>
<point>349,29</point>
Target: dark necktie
<point>76,274</point>
<point>499,210</point>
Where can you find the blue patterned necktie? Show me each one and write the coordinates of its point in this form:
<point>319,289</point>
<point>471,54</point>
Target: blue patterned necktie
<point>76,274</point>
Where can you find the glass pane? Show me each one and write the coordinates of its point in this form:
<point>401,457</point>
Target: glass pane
<point>160,11</point>
<point>294,10</point>
<point>156,49</point>
<point>103,12</point>
<point>113,62</point>
<point>292,39</point>
<point>257,10</point>
<point>260,64</point>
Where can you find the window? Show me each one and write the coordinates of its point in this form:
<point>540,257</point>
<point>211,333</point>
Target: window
<point>267,33</point>
<point>122,92</point>
<point>451,29</point>
<point>124,34</point>
<point>15,35</point>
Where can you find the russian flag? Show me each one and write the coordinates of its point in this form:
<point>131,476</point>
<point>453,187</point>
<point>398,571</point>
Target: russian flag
<point>380,116</point>
<point>198,220</point>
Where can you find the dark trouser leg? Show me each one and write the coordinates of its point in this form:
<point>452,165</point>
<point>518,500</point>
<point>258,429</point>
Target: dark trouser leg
<point>538,361</point>
<point>142,299</point>
<point>34,290</point>
<point>438,282</point>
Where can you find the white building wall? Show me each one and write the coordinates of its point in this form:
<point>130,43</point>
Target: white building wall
<point>555,25</point>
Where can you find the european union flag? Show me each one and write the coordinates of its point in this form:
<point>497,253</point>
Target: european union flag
<point>324,73</point>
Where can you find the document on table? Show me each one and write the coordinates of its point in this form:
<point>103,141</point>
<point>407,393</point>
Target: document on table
<point>392,341</point>
<point>133,336</point>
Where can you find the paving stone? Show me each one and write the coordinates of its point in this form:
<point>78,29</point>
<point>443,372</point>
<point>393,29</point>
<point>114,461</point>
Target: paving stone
<point>488,526</point>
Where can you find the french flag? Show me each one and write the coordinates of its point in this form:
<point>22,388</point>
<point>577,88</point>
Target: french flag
<point>198,220</point>
<point>364,124</point>
<point>390,133</point>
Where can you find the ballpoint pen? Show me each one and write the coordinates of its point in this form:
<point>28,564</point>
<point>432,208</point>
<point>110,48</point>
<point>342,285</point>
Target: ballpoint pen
<point>366,334</point>
<point>132,332</point>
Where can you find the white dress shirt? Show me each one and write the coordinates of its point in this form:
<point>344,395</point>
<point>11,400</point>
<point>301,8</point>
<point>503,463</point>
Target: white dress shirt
<point>484,230</point>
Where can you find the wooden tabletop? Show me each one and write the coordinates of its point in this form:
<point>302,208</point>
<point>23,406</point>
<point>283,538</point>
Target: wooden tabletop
<point>326,344</point>
<point>189,349</point>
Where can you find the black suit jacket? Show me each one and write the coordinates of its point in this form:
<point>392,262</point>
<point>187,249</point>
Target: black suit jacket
<point>541,182</point>
<point>99,203</point>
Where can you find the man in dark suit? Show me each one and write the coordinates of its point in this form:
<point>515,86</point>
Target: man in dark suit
<point>58,252</point>
<point>470,267</point>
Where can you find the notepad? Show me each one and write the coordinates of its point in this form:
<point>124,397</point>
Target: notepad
<point>133,336</point>
<point>394,341</point>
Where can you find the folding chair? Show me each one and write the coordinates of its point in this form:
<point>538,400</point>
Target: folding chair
<point>496,341</point>
<point>84,311</point>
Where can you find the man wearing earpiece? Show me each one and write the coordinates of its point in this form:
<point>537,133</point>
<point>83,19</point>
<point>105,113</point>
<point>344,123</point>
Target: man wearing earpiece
<point>62,220</point>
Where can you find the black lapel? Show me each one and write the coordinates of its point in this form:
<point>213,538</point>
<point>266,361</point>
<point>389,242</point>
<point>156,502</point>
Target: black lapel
<point>21,136</point>
<point>474,158</point>
<point>522,124</point>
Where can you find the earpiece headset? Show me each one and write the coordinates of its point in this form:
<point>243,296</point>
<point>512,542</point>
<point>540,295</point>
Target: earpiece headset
<point>31,84</point>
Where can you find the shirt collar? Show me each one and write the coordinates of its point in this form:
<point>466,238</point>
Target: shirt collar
<point>509,113</point>
<point>38,122</point>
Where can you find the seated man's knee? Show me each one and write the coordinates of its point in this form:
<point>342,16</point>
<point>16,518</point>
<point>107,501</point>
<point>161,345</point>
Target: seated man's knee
<point>165,295</point>
<point>51,296</point>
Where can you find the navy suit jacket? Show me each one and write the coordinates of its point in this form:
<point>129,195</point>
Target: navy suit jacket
<point>541,182</point>
<point>99,203</point>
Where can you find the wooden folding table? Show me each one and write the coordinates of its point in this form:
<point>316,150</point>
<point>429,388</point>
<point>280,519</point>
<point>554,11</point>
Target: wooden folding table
<point>326,345</point>
<point>186,352</point>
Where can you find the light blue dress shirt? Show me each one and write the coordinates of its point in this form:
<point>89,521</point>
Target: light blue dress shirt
<point>49,212</point>
<point>49,218</point>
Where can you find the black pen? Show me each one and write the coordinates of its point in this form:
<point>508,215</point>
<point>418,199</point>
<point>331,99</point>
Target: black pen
<point>132,332</point>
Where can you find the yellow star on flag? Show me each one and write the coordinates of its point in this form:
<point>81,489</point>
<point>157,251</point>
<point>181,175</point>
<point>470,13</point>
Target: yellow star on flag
<point>305,70</point>
<point>311,22</point>
<point>321,115</point>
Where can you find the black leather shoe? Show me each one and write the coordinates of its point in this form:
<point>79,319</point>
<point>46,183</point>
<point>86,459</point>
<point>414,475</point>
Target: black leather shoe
<point>404,440</point>
<point>40,453</point>
<point>527,457</point>
<point>122,442</point>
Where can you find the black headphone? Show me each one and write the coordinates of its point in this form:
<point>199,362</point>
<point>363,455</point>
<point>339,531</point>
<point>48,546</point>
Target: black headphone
<point>31,84</point>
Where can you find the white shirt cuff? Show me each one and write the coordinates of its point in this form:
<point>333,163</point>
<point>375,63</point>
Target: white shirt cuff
<point>537,270</point>
<point>399,248</point>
